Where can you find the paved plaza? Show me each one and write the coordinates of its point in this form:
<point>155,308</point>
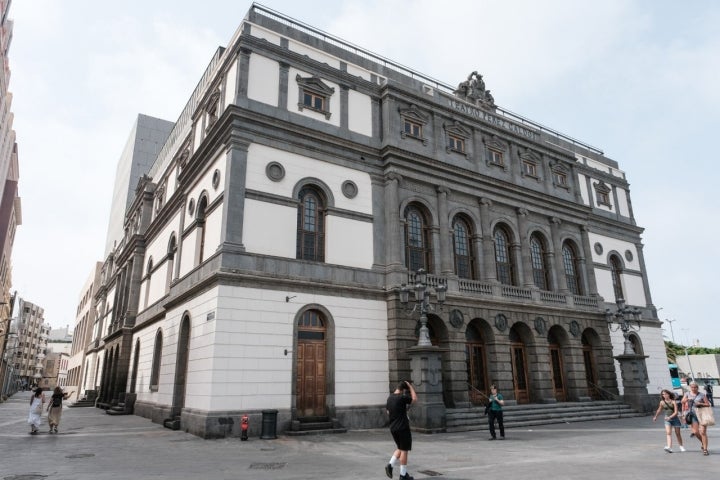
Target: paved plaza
<point>94,445</point>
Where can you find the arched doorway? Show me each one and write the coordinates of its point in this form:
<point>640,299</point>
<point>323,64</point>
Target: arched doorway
<point>589,340</point>
<point>518,358</point>
<point>476,361</point>
<point>136,361</point>
<point>311,364</point>
<point>556,364</point>
<point>181,365</point>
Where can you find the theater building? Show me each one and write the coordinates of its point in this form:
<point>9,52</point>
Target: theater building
<point>304,183</point>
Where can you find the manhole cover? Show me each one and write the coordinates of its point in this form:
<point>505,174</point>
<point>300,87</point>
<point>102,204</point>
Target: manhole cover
<point>80,455</point>
<point>430,473</point>
<point>30,476</point>
<point>267,466</point>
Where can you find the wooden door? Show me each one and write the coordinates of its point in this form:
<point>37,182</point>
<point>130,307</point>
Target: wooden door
<point>520,380</point>
<point>310,383</point>
<point>311,379</point>
<point>476,371</point>
<point>558,377</point>
<point>590,373</point>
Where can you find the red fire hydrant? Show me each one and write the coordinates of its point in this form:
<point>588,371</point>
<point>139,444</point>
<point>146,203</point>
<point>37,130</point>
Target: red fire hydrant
<point>244,427</point>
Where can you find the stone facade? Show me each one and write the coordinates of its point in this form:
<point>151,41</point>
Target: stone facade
<point>303,184</point>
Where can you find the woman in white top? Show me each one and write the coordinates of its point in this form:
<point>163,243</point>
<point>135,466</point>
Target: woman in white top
<point>693,400</point>
<point>36,407</point>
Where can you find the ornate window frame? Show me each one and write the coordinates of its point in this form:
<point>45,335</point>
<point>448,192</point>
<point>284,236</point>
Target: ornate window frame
<point>314,88</point>
<point>602,194</point>
<point>457,138</point>
<point>530,161</point>
<point>413,121</point>
<point>495,153</point>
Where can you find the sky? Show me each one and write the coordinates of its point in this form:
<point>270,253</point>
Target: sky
<point>636,78</point>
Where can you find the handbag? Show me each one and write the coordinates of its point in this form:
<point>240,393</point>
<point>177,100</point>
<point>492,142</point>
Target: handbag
<point>705,416</point>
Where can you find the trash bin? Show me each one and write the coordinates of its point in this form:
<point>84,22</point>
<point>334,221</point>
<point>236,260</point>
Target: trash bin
<point>269,424</point>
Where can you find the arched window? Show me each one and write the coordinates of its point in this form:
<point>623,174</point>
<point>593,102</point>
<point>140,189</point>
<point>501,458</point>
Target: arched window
<point>503,257</point>
<point>462,248</point>
<point>147,282</point>
<point>136,360</point>
<point>201,212</point>
<point>616,272</point>
<point>417,240</point>
<point>570,262</point>
<point>538,255</point>
<point>172,250</point>
<point>157,355</point>
<point>311,226</point>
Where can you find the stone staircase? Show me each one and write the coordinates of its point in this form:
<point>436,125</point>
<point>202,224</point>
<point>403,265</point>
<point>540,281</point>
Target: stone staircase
<point>315,426</point>
<point>514,416</point>
<point>88,400</point>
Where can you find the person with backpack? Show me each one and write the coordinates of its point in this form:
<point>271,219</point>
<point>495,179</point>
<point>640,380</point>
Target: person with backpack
<point>55,408</point>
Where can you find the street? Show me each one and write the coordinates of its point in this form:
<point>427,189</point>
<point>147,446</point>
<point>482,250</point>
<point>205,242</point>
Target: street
<point>93,445</point>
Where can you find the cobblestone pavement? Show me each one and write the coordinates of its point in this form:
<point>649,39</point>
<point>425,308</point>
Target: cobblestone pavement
<point>94,445</point>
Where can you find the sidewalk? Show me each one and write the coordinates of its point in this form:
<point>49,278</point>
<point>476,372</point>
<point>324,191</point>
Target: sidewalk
<point>93,445</point>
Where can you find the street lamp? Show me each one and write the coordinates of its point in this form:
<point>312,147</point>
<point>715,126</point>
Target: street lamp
<point>422,302</point>
<point>670,322</point>
<point>620,321</point>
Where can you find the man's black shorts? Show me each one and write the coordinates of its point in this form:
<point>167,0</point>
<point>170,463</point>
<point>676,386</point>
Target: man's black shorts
<point>403,439</point>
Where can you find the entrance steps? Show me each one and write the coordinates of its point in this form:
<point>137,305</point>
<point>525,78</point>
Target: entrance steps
<point>315,426</point>
<point>82,403</point>
<point>515,416</point>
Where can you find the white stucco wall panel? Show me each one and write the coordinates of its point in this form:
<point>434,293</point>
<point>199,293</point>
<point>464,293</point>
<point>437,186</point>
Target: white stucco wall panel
<point>359,72</point>
<point>298,167</point>
<point>263,80</point>
<point>582,184</point>
<point>187,260</point>
<point>230,84</point>
<point>359,113</point>
<point>349,242</point>
<point>276,237</point>
<point>610,244</point>
<point>294,98</point>
<point>623,207</point>
<point>254,327</point>
<point>315,54</point>
<point>260,32</point>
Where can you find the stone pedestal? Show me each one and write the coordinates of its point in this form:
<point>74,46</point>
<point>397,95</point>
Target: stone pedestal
<point>635,381</point>
<point>428,413</point>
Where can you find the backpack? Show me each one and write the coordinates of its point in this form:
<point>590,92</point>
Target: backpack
<point>57,401</point>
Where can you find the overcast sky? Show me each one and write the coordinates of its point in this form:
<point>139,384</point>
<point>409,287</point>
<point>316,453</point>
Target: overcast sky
<point>637,79</point>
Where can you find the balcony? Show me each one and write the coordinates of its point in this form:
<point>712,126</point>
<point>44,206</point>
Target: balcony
<point>511,293</point>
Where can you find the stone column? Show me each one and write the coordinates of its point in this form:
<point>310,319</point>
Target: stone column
<point>489,273</point>
<point>243,75</point>
<point>283,86</point>
<point>428,413</point>
<point>392,221</point>
<point>522,251</point>
<point>587,268</point>
<point>558,265</point>
<point>635,379</point>
<point>233,206</point>
<point>646,284</point>
<point>446,254</point>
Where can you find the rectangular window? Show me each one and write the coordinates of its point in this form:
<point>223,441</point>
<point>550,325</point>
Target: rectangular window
<point>496,157</point>
<point>413,129</point>
<point>603,198</point>
<point>560,179</point>
<point>313,100</point>
<point>457,144</point>
<point>530,169</point>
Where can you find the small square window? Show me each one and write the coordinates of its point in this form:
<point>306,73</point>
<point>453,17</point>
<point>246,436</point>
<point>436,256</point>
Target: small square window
<point>413,129</point>
<point>313,100</point>
<point>530,169</point>
<point>560,179</point>
<point>456,143</point>
<point>603,198</point>
<point>496,157</point>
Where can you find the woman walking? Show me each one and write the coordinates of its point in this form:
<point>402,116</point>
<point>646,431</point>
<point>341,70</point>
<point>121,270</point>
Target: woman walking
<point>693,400</point>
<point>37,400</point>
<point>55,408</point>
<point>670,410</point>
